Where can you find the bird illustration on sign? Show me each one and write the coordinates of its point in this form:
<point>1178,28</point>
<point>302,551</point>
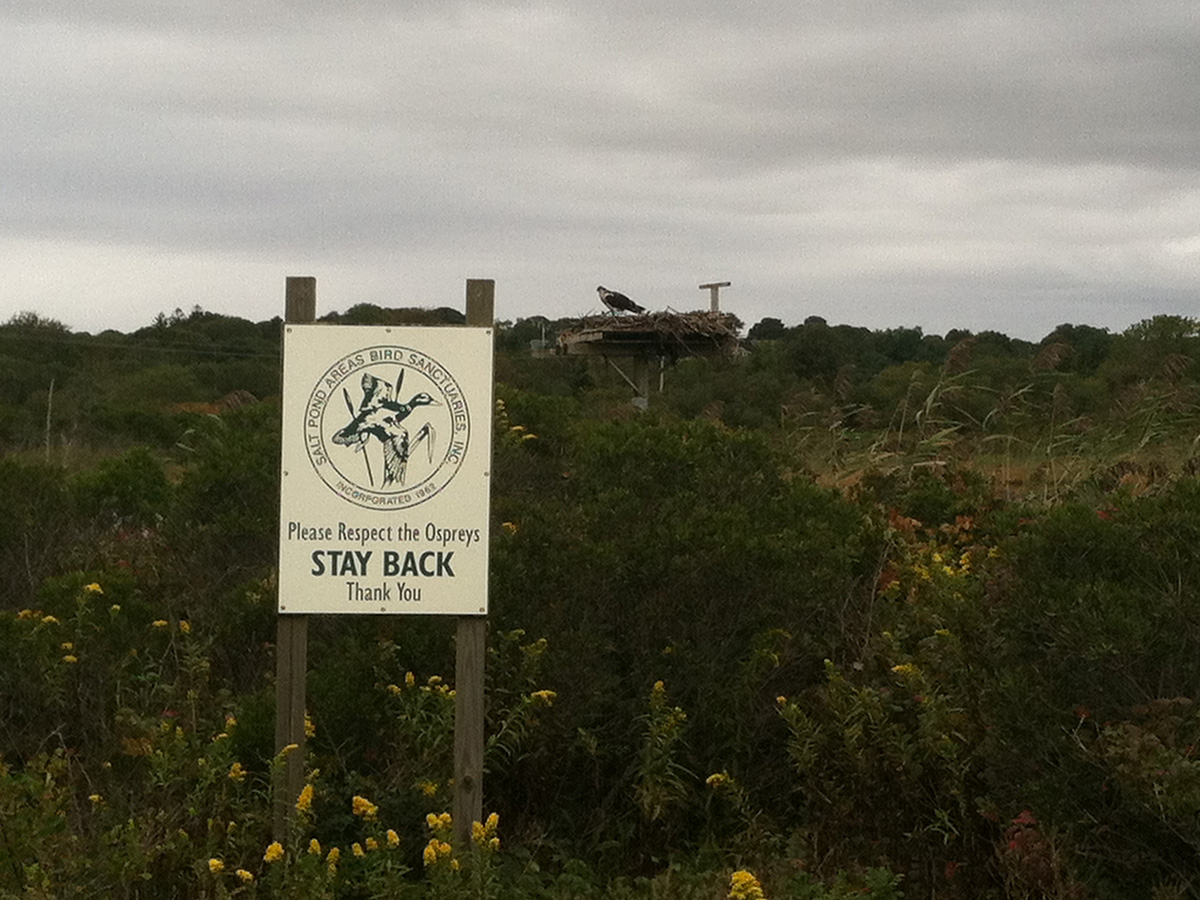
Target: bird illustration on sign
<point>378,416</point>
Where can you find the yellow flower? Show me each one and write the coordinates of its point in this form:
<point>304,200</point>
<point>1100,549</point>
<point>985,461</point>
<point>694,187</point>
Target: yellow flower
<point>274,852</point>
<point>510,527</point>
<point>444,820</point>
<point>547,697</point>
<point>304,801</point>
<point>492,823</point>
<point>288,749</point>
<point>744,886</point>
<point>429,788</point>
<point>434,680</point>
<point>409,679</point>
<point>394,689</point>
<point>70,660</point>
<point>371,843</point>
<point>310,730</point>
<point>216,866</point>
<point>334,855</point>
<point>716,779</point>
<point>96,799</point>
<point>358,850</point>
<point>26,614</point>
<point>236,772</point>
<point>66,645</point>
<point>314,847</point>
<point>93,588</point>
<point>159,623</point>
<point>361,806</point>
<point>115,608</point>
<point>905,669</point>
<point>494,844</point>
<point>454,865</point>
<point>429,854</point>
<point>185,627</point>
<point>49,620</point>
<point>245,876</point>
<point>781,700</point>
<point>393,839</point>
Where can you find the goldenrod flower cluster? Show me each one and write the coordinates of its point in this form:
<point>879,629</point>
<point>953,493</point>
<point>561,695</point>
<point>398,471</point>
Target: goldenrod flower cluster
<point>216,866</point>
<point>393,839</point>
<point>331,860</point>
<point>93,588</point>
<point>363,807</point>
<point>547,697</point>
<point>717,779</point>
<point>436,850</point>
<point>744,886</point>
<point>244,876</point>
<point>429,788</point>
<point>236,772</point>
<point>274,852</point>
<point>314,847</point>
<point>483,834</point>
<point>304,801</point>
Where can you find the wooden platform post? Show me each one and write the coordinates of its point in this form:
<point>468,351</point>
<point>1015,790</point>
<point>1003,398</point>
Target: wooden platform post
<point>470,650</point>
<point>714,293</point>
<point>291,642</point>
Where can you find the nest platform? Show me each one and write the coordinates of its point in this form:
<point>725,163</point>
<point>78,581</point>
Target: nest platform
<point>669,335</point>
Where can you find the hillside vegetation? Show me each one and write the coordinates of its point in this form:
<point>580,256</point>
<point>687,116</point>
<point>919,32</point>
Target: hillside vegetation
<point>855,613</point>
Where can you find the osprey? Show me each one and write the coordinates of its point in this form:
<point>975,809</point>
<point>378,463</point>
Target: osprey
<point>618,302</point>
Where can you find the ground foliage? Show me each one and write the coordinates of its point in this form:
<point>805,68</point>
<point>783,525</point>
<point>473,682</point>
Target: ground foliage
<point>857,612</point>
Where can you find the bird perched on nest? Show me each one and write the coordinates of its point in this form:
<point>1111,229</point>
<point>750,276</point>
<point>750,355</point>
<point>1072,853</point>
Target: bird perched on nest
<point>618,302</point>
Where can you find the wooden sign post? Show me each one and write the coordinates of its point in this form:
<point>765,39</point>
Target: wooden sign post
<point>385,494</point>
<point>470,649</point>
<point>291,642</point>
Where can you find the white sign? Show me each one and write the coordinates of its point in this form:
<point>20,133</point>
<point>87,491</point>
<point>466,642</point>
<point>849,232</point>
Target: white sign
<point>387,447</point>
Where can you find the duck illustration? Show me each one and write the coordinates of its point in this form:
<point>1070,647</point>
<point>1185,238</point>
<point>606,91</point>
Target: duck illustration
<point>379,416</point>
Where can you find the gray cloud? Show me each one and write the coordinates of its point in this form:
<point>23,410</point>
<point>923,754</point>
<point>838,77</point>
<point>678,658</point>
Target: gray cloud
<point>944,164</point>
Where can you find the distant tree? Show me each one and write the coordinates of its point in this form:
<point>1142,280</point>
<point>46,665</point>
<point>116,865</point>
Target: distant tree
<point>27,320</point>
<point>372,314</point>
<point>768,329</point>
<point>1091,346</point>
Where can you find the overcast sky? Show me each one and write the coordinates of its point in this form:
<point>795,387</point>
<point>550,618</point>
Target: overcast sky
<point>974,165</point>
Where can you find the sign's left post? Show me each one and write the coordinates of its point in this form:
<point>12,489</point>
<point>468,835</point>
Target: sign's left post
<point>291,644</point>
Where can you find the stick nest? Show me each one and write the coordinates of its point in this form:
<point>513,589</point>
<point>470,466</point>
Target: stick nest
<point>672,329</point>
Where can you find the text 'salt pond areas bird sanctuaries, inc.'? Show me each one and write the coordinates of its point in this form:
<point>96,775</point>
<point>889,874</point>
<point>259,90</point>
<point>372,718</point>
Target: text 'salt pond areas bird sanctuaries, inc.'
<point>385,470</point>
